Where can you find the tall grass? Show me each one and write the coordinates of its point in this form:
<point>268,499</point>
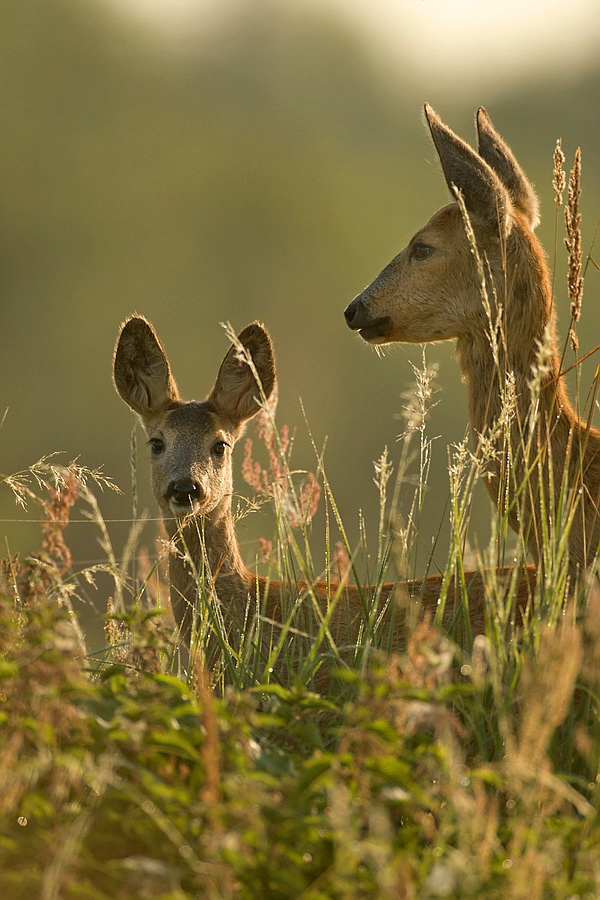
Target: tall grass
<point>464,766</point>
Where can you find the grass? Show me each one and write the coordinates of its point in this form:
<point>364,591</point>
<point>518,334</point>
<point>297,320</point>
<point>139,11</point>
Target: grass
<point>449,769</point>
<point>443,771</point>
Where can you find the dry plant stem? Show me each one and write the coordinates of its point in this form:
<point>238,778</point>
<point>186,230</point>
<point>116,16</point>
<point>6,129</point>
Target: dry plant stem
<point>193,484</point>
<point>558,184</point>
<point>573,240</point>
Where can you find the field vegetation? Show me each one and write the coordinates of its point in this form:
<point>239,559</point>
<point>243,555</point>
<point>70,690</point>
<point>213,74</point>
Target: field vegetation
<point>461,770</point>
<point>457,768</point>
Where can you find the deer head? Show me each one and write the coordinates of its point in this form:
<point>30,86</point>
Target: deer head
<point>431,291</point>
<point>191,442</point>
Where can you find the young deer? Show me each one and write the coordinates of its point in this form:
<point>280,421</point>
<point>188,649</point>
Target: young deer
<point>191,444</point>
<point>434,290</point>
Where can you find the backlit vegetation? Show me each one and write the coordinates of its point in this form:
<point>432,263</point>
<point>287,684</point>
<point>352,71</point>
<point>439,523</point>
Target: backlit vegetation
<point>461,770</point>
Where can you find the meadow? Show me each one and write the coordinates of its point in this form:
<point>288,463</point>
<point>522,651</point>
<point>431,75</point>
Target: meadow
<point>462,766</point>
<point>450,769</point>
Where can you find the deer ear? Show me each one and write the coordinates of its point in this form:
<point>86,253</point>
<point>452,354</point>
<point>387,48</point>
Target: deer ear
<point>498,155</point>
<point>141,370</point>
<point>239,385</point>
<point>485,196</point>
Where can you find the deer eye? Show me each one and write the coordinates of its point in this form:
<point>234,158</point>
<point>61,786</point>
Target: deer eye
<point>421,251</point>
<point>219,448</point>
<point>157,445</point>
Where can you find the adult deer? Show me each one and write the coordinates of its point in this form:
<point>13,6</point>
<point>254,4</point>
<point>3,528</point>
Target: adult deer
<point>435,290</point>
<point>191,444</point>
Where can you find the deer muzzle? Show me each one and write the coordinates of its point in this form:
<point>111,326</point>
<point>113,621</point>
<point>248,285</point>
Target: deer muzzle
<point>185,496</point>
<point>359,318</point>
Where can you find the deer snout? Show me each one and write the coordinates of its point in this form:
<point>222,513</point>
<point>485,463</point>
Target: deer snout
<point>359,317</point>
<point>184,493</point>
<point>355,314</point>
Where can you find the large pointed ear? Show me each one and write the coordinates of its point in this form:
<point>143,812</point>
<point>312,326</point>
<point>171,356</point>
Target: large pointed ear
<point>141,369</point>
<point>236,393</point>
<point>498,155</point>
<point>485,197</point>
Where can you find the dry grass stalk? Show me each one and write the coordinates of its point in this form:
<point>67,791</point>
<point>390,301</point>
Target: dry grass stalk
<point>573,240</point>
<point>117,635</point>
<point>43,573</point>
<point>57,510</point>
<point>152,574</point>
<point>494,324</point>
<point>298,508</point>
<point>558,180</point>
<point>548,684</point>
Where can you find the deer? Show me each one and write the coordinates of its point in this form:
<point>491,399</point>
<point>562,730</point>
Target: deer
<point>477,274</point>
<point>191,447</point>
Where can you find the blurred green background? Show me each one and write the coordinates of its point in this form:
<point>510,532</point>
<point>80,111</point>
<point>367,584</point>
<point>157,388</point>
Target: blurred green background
<point>251,160</point>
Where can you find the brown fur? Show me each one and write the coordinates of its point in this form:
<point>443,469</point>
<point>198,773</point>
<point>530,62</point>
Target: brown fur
<point>203,530</point>
<point>432,291</point>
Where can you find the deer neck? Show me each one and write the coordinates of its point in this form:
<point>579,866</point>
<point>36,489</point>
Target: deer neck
<point>528,326</point>
<point>206,552</point>
<point>544,426</point>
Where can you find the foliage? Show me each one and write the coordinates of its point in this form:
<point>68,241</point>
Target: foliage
<point>449,770</point>
<point>442,772</point>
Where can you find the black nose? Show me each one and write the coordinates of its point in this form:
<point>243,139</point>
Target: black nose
<point>355,314</point>
<point>184,492</point>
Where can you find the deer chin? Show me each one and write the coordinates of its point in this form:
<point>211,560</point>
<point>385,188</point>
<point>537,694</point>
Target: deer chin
<point>379,332</point>
<point>183,511</point>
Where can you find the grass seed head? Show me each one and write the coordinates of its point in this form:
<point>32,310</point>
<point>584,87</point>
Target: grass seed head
<point>573,239</point>
<point>558,181</point>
